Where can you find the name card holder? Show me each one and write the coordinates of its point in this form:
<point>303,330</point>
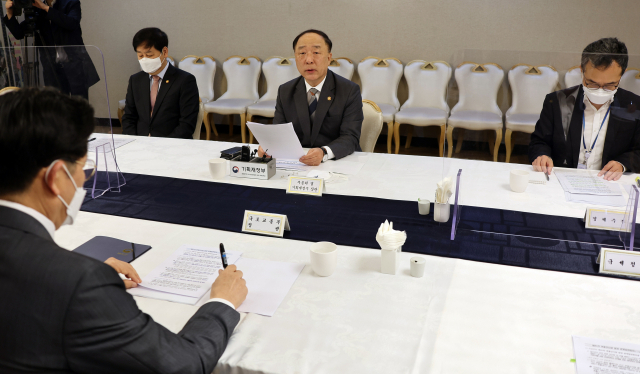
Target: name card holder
<point>305,186</point>
<point>265,223</point>
<point>619,262</point>
<point>605,219</point>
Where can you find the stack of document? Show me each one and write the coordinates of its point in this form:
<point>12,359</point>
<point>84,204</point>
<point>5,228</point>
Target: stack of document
<point>187,275</point>
<point>586,187</point>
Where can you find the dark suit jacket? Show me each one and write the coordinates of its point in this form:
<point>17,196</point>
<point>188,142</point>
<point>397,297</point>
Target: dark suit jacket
<point>176,110</point>
<point>62,312</point>
<point>60,26</point>
<point>338,120</point>
<point>622,142</point>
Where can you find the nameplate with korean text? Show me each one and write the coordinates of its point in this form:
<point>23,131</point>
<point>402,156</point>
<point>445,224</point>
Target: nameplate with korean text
<point>265,223</point>
<point>604,219</point>
<point>305,186</point>
<point>619,262</point>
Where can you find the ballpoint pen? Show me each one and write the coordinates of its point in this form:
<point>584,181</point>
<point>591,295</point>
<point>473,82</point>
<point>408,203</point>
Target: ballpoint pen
<point>92,139</point>
<point>223,255</point>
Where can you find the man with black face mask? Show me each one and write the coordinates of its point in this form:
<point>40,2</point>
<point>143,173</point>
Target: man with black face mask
<point>69,69</point>
<point>62,312</point>
<point>594,126</point>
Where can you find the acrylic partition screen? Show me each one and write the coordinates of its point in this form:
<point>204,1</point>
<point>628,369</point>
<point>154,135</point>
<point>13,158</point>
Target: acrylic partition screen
<point>507,108</point>
<point>72,70</point>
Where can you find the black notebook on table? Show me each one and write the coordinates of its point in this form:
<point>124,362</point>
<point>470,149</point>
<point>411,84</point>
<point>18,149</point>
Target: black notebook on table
<point>103,247</point>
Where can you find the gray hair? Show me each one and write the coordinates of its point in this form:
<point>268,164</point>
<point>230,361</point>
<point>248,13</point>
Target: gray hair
<point>604,52</point>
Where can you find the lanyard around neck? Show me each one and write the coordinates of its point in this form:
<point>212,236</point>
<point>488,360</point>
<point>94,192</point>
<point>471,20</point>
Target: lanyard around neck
<point>598,134</point>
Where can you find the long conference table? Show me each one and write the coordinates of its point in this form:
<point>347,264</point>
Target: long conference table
<point>461,317</point>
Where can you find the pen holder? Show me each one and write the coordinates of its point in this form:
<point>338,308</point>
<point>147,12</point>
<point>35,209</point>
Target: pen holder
<point>390,260</point>
<point>441,212</point>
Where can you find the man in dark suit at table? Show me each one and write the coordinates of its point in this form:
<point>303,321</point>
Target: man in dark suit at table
<point>325,108</point>
<point>63,312</point>
<point>594,126</point>
<point>162,100</point>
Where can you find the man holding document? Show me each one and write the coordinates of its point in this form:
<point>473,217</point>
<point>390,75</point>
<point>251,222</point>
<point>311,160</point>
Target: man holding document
<point>325,108</point>
<point>64,312</point>
<point>593,126</point>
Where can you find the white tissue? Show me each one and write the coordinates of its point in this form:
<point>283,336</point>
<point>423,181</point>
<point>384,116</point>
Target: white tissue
<point>443,192</point>
<point>388,238</point>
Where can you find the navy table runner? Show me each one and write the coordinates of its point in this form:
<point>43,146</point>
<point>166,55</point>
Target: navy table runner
<point>535,240</point>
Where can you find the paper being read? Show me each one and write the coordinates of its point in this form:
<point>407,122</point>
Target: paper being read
<point>280,141</point>
<point>598,356</point>
<point>189,271</point>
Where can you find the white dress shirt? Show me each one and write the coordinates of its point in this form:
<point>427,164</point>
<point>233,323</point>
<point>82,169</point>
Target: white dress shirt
<point>160,74</point>
<point>592,121</point>
<point>330,155</point>
<point>44,221</point>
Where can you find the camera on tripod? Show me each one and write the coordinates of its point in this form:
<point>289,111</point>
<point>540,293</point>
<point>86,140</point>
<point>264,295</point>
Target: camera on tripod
<point>29,14</point>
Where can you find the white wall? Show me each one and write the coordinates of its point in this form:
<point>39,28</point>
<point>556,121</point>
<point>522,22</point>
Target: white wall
<point>405,29</point>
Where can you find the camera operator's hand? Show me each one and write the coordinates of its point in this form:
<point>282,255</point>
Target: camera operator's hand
<point>41,5</point>
<point>9,6</point>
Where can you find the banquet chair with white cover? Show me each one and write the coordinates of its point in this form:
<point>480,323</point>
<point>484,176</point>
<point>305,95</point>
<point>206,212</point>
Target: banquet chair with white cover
<point>122,103</point>
<point>196,133</point>
<point>573,77</point>
<point>529,86</point>
<point>342,66</point>
<point>426,105</point>
<point>277,70</point>
<point>6,90</point>
<point>242,75</point>
<point>380,78</point>
<point>631,80</point>
<point>203,68</point>
<point>477,107</point>
<point>371,125</point>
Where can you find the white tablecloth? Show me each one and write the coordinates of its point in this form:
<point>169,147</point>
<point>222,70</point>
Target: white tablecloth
<point>462,317</point>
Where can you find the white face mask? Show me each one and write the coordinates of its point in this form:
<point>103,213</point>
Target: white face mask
<point>149,65</point>
<point>76,202</point>
<point>598,96</point>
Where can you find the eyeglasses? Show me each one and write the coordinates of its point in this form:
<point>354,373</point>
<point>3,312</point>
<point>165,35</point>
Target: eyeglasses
<point>607,87</point>
<point>89,168</point>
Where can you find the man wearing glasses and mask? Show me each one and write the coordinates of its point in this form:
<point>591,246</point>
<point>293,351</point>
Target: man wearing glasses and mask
<point>64,312</point>
<point>594,126</point>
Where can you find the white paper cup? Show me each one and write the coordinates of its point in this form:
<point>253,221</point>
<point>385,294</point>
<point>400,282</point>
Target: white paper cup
<point>519,180</point>
<point>416,265</point>
<point>218,168</point>
<point>324,258</point>
<point>441,212</point>
<point>424,206</point>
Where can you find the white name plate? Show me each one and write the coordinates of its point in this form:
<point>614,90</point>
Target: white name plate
<point>604,219</point>
<point>619,262</point>
<point>265,223</point>
<point>306,186</point>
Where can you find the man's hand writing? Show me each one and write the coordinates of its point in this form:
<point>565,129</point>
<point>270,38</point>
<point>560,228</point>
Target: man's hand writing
<point>543,163</point>
<point>230,286</point>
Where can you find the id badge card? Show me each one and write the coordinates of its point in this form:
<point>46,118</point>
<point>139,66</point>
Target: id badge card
<point>582,166</point>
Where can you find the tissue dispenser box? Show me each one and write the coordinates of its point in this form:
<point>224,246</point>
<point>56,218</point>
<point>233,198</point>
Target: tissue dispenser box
<point>390,260</point>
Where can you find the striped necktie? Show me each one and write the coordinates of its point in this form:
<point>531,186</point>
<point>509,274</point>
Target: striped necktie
<point>313,103</point>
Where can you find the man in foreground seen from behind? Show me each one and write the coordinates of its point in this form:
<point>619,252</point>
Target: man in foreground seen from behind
<point>593,126</point>
<point>62,312</point>
<point>162,100</point>
<point>325,108</point>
